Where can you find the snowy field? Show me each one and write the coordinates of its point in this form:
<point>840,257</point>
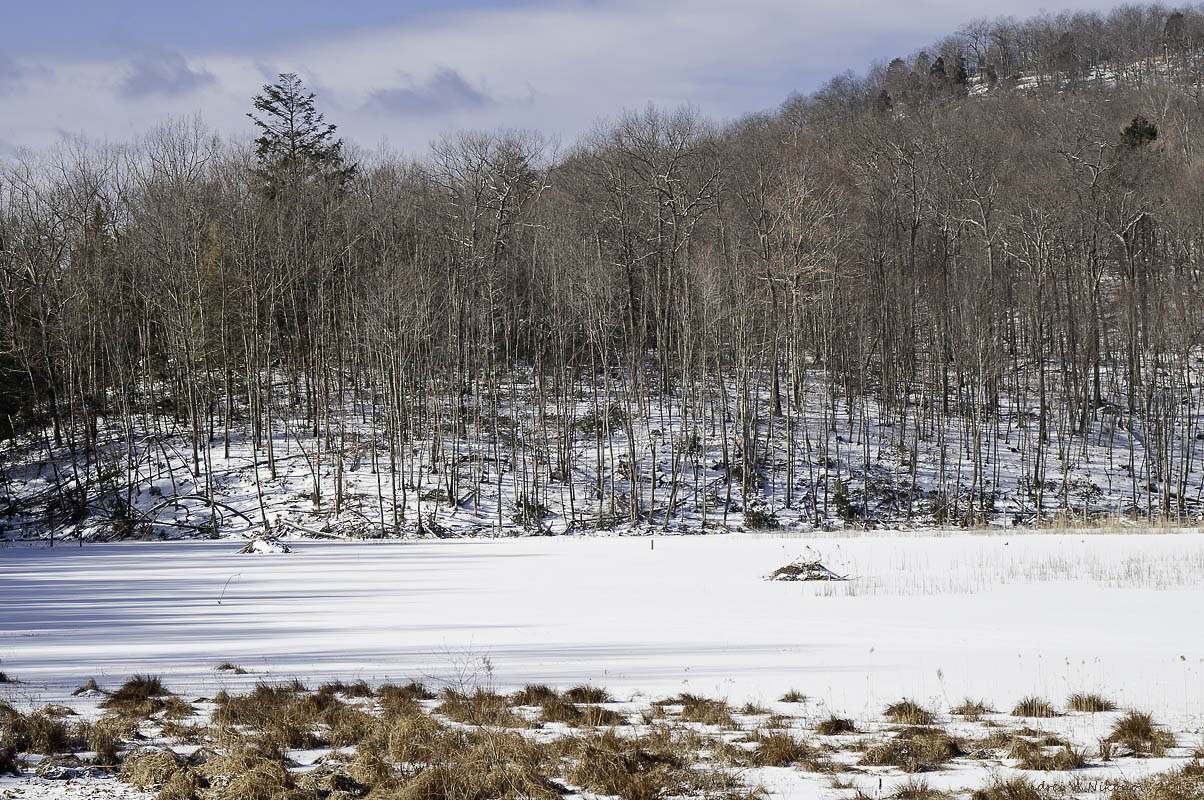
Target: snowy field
<point>933,617</point>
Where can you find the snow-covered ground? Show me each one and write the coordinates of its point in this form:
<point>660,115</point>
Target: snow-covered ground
<point>934,617</point>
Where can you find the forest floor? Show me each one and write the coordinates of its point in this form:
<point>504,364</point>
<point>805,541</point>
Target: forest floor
<point>936,617</point>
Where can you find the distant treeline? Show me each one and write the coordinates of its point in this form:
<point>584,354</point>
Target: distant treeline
<point>1002,232</point>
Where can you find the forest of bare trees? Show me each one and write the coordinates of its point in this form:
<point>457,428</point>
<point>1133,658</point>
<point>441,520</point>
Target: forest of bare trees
<point>959,289</point>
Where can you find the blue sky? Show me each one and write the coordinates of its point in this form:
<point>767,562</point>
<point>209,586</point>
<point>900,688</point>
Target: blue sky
<point>402,73</point>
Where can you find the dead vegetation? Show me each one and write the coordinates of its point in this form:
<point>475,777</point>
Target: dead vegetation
<point>1011,789</point>
<point>1140,735</point>
<point>702,710</point>
<point>1034,756</point>
<point>1034,707</point>
<point>972,710</point>
<point>1086,702</point>
<point>138,698</point>
<point>404,743</point>
<point>914,749</point>
<point>835,726</point>
<point>908,712</point>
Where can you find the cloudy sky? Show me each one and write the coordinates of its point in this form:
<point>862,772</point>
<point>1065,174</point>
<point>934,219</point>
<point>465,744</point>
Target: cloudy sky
<point>401,72</point>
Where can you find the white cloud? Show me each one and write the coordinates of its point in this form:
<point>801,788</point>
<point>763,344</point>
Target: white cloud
<point>555,67</point>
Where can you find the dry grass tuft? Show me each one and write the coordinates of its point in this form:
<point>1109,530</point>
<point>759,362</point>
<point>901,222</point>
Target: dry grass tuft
<point>391,696</point>
<point>482,707</point>
<point>104,739</point>
<point>226,666</point>
<point>9,763</point>
<point>184,784</point>
<point>359,689</point>
<point>1031,756</point>
<point>265,780</point>
<point>1138,732</point>
<point>834,726</point>
<point>908,712</point>
<point>1182,784</point>
<point>916,789</point>
<point>627,768</point>
<point>781,750</point>
<point>703,710</point>
<point>587,694</point>
<point>555,709</point>
<point>38,733</point>
<point>793,696</point>
<point>534,694</point>
<point>917,749</point>
<point>137,698</point>
<point>972,710</point>
<point>1034,707</point>
<point>1087,702</point>
<point>1011,789</point>
<point>277,717</point>
<point>753,709</point>
<point>149,768</point>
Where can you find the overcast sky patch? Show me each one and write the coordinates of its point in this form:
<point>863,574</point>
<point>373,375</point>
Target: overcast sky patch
<point>163,73</point>
<point>444,91</point>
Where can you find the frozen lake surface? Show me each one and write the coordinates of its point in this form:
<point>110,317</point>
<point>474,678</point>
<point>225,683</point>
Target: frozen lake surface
<point>935,617</point>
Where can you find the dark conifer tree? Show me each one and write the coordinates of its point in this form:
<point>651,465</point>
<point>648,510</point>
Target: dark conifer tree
<point>295,144</point>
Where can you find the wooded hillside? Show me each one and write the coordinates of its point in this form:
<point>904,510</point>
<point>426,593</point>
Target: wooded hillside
<point>964,287</point>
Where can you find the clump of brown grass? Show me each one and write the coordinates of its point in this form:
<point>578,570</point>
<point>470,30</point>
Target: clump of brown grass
<point>753,709</point>
<point>624,767</point>
<point>534,694</point>
<point>347,725</point>
<point>482,707</point>
<point>190,733</point>
<point>1012,789</point>
<point>329,781</point>
<point>780,749</point>
<point>359,689</point>
<point>265,780</point>
<point>793,696</point>
<point>137,698</point>
<point>1138,732</point>
<point>834,726</point>
<point>917,749</point>
<point>10,764</point>
<point>227,666</point>
<point>587,694</point>
<point>413,690</point>
<point>916,789</point>
<point>277,717</point>
<point>1031,756</point>
<point>149,767</point>
<point>1033,706</point>
<point>38,733</point>
<point>972,710</point>
<point>184,784</point>
<point>556,709</point>
<point>1181,784</point>
<point>702,710</point>
<point>175,708</point>
<point>244,773</point>
<point>908,712</point>
<point>1088,702</point>
<point>104,739</point>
